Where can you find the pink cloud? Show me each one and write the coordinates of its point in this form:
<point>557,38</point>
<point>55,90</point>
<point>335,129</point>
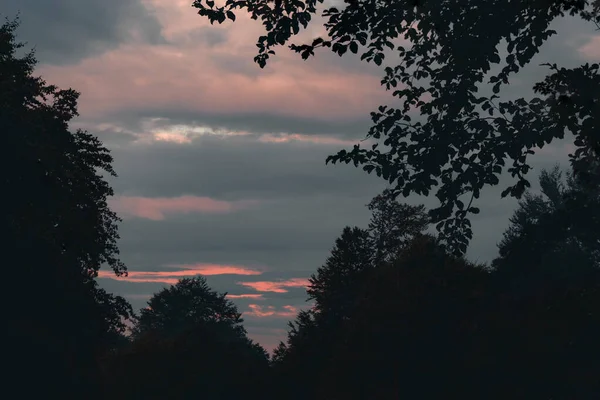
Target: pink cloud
<point>270,311</point>
<point>295,137</point>
<point>156,208</point>
<point>591,50</point>
<point>172,277</point>
<point>276,286</point>
<point>194,75</point>
<point>245,296</point>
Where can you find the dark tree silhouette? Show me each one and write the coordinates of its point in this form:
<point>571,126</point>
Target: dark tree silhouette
<point>189,303</point>
<point>58,232</point>
<point>461,142</point>
<point>332,288</point>
<point>411,334</point>
<point>546,292</point>
<point>188,343</point>
<point>393,225</point>
<point>558,226</point>
<point>334,291</point>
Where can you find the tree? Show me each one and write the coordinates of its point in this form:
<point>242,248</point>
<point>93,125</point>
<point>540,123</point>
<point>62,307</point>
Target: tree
<point>461,142</point>
<point>413,332</point>
<point>334,288</point>
<point>555,227</point>
<point>117,316</point>
<point>546,289</point>
<point>188,343</point>
<point>58,231</point>
<point>393,225</point>
<point>187,304</point>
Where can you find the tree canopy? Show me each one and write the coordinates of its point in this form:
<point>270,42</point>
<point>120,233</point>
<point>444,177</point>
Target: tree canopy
<point>460,141</point>
<point>188,341</point>
<point>188,304</point>
<point>59,231</point>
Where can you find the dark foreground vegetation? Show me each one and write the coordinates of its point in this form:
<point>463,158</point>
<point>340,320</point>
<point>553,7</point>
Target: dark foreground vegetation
<point>398,312</point>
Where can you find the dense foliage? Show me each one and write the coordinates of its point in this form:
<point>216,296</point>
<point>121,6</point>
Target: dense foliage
<point>460,141</point>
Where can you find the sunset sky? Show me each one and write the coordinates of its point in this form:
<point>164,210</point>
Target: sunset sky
<point>221,164</point>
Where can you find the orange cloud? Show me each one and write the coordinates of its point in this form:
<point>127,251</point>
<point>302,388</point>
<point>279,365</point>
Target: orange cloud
<point>270,311</point>
<point>172,277</point>
<point>156,208</point>
<point>276,286</point>
<point>245,296</point>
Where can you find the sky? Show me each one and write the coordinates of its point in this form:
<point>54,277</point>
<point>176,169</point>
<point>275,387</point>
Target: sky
<point>221,164</point>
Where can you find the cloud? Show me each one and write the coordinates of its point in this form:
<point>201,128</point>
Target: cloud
<point>135,296</point>
<point>285,138</point>
<point>591,50</point>
<point>172,277</point>
<point>246,296</point>
<point>270,311</point>
<point>156,208</point>
<point>65,32</point>
<point>236,167</point>
<point>276,286</point>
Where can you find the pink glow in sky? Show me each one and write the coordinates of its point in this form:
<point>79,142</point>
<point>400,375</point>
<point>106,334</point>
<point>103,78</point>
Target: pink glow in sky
<point>157,208</point>
<point>276,286</point>
<point>184,271</point>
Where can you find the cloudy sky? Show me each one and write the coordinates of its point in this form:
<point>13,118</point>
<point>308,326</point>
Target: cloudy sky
<point>221,164</point>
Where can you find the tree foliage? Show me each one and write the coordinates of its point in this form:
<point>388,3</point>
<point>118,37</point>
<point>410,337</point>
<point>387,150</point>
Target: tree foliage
<point>334,288</point>
<point>461,141</point>
<point>188,341</point>
<point>553,236</point>
<point>58,230</point>
<point>393,224</point>
<point>393,347</point>
<point>187,304</point>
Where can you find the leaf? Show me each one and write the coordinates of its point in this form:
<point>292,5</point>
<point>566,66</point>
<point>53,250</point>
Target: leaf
<point>378,59</point>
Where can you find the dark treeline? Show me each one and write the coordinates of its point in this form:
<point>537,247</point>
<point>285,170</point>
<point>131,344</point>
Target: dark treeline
<point>396,312</point>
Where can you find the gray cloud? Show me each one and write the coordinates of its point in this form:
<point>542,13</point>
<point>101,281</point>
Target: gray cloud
<point>258,123</point>
<point>237,167</point>
<point>66,31</point>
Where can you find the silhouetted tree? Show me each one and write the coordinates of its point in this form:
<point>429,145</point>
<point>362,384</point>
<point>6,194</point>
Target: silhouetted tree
<point>187,304</point>
<point>117,316</point>
<point>558,226</point>
<point>58,232</point>
<point>411,335</point>
<point>333,286</point>
<point>393,225</point>
<point>188,343</point>
<point>461,142</point>
<point>546,294</point>
<point>334,290</point>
